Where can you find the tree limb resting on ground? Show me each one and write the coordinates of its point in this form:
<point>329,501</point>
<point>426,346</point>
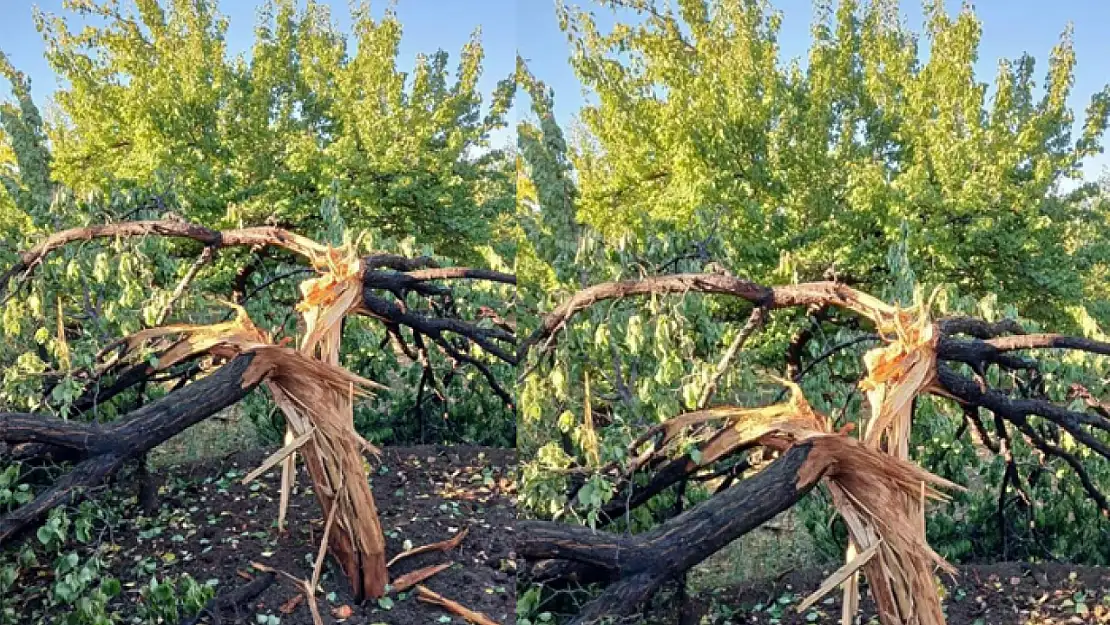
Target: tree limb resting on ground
<point>638,565</point>
<point>104,449</point>
<point>626,563</point>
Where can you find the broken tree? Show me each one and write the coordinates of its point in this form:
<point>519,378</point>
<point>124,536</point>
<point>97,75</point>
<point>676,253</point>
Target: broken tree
<point>315,394</point>
<point>874,487</point>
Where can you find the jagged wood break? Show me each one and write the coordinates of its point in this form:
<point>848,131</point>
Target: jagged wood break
<point>916,355</point>
<point>315,394</point>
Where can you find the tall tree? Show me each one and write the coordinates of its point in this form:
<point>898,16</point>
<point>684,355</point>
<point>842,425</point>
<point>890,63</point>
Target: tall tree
<point>698,120</point>
<point>317,129</point>
<point>153,100</point>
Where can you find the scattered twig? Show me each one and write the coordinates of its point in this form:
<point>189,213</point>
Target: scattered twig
<point>443,545</point>
<point>291,605</point>
<point>301,584</point>
<point>408,580</point>
<point>454,607</point>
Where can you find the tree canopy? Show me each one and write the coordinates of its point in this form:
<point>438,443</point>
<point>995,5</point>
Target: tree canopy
<point>152,101</point>
<point>697,122</point>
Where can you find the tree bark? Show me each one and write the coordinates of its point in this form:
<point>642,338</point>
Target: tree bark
<point>104,449</point>
<point>638,565</point>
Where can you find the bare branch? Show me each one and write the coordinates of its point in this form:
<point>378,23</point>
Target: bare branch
<point>1049,341</point>
<point>203,259</point>
<point>435,328</point>
<point>788,296</point>
<point>754,322</point>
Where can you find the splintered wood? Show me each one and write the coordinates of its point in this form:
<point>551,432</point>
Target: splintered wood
<point>443,545</point>
<point>333,453</point>
<point>878,492</point>
<point>316,396</point>
<point>454,607</point>
<point>408,580</point>
<point>901,573</point>
<point>869,489</point>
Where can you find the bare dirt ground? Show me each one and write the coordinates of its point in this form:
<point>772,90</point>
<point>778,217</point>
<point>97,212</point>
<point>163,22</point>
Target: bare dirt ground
<point>211,527</point>
<point>991,594</point>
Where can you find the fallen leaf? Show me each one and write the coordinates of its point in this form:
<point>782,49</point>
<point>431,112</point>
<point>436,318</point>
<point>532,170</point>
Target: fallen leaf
<point>342,612</point>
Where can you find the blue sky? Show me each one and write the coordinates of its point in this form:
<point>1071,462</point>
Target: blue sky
<point>1010,27</point>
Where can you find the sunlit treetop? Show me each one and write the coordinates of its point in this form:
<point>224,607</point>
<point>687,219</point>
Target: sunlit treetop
<point>152,100</point>
<point>697,120</point>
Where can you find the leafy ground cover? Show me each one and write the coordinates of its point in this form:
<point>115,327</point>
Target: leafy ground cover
<point>1013,593</point>
<point>210,527</point>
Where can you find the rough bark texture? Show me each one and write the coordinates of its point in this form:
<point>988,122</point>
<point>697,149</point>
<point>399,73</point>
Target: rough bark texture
<point>638,565</point>
<point>104,449</point>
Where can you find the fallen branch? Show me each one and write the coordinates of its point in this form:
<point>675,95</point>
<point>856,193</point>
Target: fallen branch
<point>911,362</point>
<point>638,564</point>
<point>788,296</point>
<point>106,448</point>
<point>443,545</point>
<point>315,400</point>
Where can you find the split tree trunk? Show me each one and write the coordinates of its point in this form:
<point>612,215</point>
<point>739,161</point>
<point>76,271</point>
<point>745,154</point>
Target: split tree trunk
<point>360,548</point>
<point>357,540</point>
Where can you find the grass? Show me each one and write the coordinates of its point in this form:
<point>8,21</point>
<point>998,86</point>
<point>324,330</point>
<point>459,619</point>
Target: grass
<point>220,435</point>
<point>774,549</point>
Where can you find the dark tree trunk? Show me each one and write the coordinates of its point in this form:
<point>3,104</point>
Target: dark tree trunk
<point>638,565</point>
<point>148,488</point>
<point>103,450</point>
